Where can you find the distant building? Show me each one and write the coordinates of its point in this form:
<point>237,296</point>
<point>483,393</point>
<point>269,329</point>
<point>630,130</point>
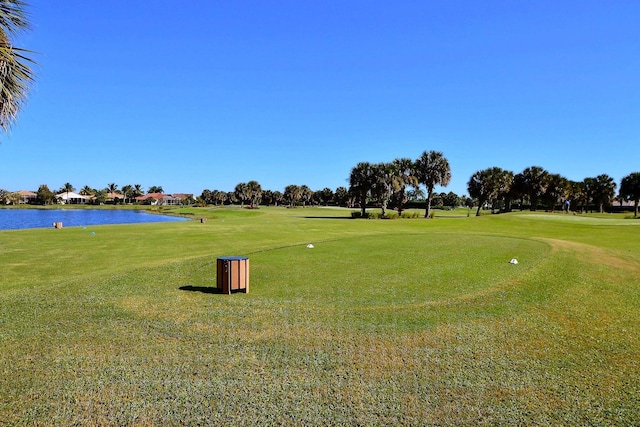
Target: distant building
<point>71,198</point>
<point>164,199</point>
<point>27,197</point>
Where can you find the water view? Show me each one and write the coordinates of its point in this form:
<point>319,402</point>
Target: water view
<point>14,219</point>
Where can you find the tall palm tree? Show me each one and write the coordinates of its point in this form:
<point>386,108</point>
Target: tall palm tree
<point>386,181</point>
<point>405,169</point>
<point>306,194</point>
<point>241,192</point>
<point>360,183</point>
<point>16,72</point>
<point>87,191</point>
<point>292,193</point>
<point>630,189</point>
<point>137,190</point>
<point>254,192</point>
<point>534,180</point>
<point>432,169</point>
<point>605,191</point>
<point>557,190</point>
<point>127,192</point>
<point>481,186</point>
<point>67,188</point>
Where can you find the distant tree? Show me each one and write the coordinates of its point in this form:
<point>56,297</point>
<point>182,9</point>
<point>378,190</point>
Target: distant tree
<point>588,188</point>
<point>630,190</point>
<point>87,191</point>
<point>155,189</point>
<point>405,171</point>
<point>112,187</point>
<point>127,193</point>
<point>206,196</point>
<point>432,169</point>
<point>219,197</point>
<point>534,180</point>
<point>341,196</point>
<point>137,190</point>
<point>605,191</point>
<point>241,192</point>
<point>415,194</point>
<point>16,72</point>
<point>451,199</point>
<point>360,182</point>
<point>67,188</point>
<point>292,194</point>
<point>386,180</point>
<point>573,194</point>
<point>306,195</point>
<point>556,190</point>
<point>277,197</point>
<point>324,196</point>
<point>436,200</point>
<point>489,185</point>
<point>100,196</point>
<point>14,198</point>
<point>254,193</point>
<point>44,196</point>
<point>4,196</point>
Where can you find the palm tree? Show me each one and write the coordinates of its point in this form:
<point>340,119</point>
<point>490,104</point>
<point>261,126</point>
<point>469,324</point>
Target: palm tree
<point>432,169</point>
<point>241,192</point>
<point>605,190</point>
<point>306,194</point>
<point>16,74</point>
<point>533,180</point>
<point>630,189</point>
<point>292,193</point>
<point>557,190</point>
<point>386,181</point>
<point>489,185</point>
<point>127,192</point>
<point>137,190</point>
<point>587,192</point>
<point>360,183</point>
<point>254,193</point>
<point>87,191</point>
<point>341,196</point>
<point>155,189</point>
<point>278,197</point>
<point>67,188</point>
<point>404,169</point>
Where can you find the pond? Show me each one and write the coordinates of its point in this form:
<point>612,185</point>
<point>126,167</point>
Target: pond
<point>14,219</point>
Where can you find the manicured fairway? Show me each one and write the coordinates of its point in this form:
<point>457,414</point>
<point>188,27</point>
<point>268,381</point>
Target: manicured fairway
<point>402,322</point>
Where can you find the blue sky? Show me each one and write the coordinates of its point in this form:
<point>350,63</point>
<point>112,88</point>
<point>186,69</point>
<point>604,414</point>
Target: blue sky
<point>196,95</point>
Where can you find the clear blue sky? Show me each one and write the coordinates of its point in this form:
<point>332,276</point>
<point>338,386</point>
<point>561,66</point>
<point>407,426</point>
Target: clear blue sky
<point>193,95</point>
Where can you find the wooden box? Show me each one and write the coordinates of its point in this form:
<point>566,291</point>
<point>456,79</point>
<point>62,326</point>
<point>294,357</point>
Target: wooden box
<point>232,274</point>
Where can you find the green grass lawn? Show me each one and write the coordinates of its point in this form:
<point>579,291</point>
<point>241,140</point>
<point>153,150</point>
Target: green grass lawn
<point>402,322</point>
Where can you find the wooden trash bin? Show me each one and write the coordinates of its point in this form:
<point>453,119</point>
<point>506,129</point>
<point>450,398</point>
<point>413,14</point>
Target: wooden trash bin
<point>232,274</point>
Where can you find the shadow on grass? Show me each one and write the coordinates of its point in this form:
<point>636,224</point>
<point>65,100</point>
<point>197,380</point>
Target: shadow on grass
<point>203,289</point>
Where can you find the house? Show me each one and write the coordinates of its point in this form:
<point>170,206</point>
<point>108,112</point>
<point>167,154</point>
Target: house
<point>71,198</point>
<point>27,197</point>
<point>115,197</point>
<point>153,199</point>
<point>163,199</point>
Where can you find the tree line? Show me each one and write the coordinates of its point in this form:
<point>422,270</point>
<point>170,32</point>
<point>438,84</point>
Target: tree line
<point>396,184</point>
<point>537,187</point>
